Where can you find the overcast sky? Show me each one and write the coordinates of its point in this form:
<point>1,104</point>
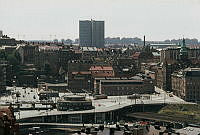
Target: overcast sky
<point>49,19</point>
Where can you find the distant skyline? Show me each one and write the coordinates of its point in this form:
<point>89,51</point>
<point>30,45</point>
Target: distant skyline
<point>50,19</point>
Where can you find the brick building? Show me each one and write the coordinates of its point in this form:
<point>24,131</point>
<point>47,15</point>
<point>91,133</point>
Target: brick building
<point>79,81</point>
<point>6,41</point>
<point>125,67</point>
<point>163,76</point>
<point>173,55</point>
<point>48,55</point>
<point>27,76</point>
<point>111,86</point>
<point>102,71</point>
<point>186,85</point>
<point>78,75</point>
<point>174,59</point>
<point>27,53</point>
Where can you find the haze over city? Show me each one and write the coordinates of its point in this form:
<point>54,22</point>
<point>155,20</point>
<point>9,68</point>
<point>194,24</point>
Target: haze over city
<point>99,67</point>
<point>50,19</point>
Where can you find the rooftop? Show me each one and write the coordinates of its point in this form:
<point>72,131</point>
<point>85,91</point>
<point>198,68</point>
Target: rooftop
<point>136,55</point>
<point>121,80</point>
<point>189,72</point>
<point>81,73</point>
<point>100,68</point>
<point>56,84</point>
<point>88,48</point>
<point>189,131</point>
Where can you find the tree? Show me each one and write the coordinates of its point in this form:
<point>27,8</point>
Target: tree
<point>14,58</point>
<point>55,40</point>
<point>14,67</point>
<point>68,41</point>
<point>2,54</point>
<point>62,41</point>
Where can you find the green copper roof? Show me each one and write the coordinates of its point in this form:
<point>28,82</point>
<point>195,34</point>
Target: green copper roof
<point>183,47</point>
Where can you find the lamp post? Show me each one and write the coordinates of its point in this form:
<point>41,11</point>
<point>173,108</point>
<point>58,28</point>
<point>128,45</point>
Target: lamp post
<point>164,97</point>
<point>89,85</point>
<point>14,84</point>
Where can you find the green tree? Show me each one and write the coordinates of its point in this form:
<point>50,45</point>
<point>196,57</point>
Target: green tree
<point>14,58</point>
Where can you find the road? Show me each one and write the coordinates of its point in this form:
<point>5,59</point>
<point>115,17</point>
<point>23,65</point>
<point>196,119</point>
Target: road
<point>102,105</point>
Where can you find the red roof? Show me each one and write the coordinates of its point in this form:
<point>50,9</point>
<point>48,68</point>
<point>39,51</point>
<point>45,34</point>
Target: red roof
<point>103,74</point>
<point>6,112</point>
<point>78,51</point>
<point>136,55</point>
<point>8,119</point>
<point>82,73</point>
<point>101,68</point>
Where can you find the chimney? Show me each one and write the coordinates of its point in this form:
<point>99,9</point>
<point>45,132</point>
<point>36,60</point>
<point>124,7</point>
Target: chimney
<point>144,40</point>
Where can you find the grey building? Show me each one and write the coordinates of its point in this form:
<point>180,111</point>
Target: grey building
<point>91,33</point>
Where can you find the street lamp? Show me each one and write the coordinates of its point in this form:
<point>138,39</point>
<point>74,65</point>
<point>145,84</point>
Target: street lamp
<point>89,84</point>
<point>164,97</point>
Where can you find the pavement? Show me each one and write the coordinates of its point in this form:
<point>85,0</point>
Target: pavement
<point>30,95</point>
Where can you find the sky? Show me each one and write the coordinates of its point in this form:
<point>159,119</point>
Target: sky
<point>50,19</point>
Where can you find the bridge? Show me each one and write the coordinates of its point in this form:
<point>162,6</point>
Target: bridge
<point>106,110</point>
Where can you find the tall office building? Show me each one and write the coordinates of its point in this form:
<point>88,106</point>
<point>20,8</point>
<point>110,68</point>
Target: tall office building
<point>91,33</point>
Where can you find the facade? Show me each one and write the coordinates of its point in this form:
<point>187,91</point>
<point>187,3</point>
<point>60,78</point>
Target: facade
<point>6,41</point>
<point>85,33</point>
<point>79,82</point>
<point>173,55</point>
<point>45,95</point>
<point>185,84</point>
<point>48,55</point>
<point>125,67</point>
<point>64,55</point>
<point>27,76</point>
<point>27,53</point>
<point>59,87</point>
<point>79,66</point>
<point>56,57</point>
<point>174,59</point>
<point>163,76</point>
<point>79,75</point>
<point>102,71</point>
<point>73,103</point>
<point>91,33</point>
<point>3,65</point>
<point>123,86</point>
